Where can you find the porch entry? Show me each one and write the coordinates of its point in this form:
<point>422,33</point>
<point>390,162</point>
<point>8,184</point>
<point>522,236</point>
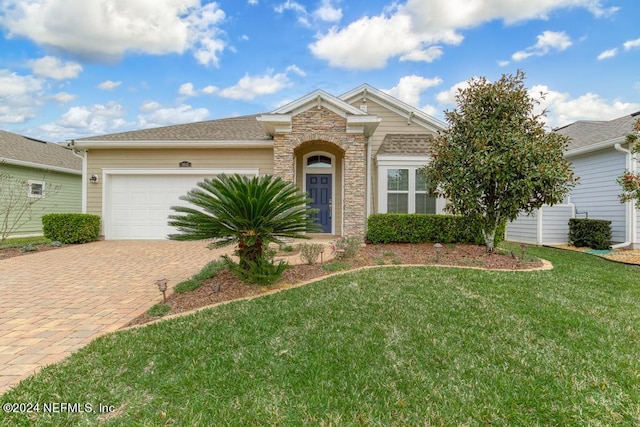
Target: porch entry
<point>319,190</point>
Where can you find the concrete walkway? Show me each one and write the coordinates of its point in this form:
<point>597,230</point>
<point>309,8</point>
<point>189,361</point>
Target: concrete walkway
<point>54,302</point>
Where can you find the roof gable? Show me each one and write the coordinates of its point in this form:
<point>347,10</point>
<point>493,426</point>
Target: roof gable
<point>318,99</point>
<point>279,120</point>
<point>411,113</point>
<point>23,151</point>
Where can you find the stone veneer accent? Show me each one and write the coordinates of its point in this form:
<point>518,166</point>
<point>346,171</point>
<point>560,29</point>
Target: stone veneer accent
<point>323,125</point>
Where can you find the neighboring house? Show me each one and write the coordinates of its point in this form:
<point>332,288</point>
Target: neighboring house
<point>50,172</point>
<point>355,154</point>
<point>599,156</point>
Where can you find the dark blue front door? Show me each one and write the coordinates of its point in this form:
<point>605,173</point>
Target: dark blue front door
<point>319,189</point>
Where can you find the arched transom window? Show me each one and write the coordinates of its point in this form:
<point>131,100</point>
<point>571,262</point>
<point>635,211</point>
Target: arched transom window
<point>319,161</point>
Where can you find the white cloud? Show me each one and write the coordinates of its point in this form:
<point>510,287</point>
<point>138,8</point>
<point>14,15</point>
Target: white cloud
<point>252,2</point>
<point>105,31</point>
<point>64,97</point>
<point>295,69</point>
<point>109,85</point>
<point>503,63</point>
<point>20,96</point>
<point>406,29</point>
<point>297,8</point>
<point>369,42</point>
<point>547,41</point>
<point>210,90</point>
<point>409,88</point>
<point>608,54</point>
<point>628,45</point>
<point>244,37</point>
<point>462,14</point>
<point>171,116</point>
<point>327,12</point>
<point>204,35</point>
<point>52,67</point>
<point>12,84</point>
<point>149,106</point>
<point>250,87</point>
<point>290,5</point>
<point>186,89</point>
<point>563,110</point>
<point>86,121</point>
<point>427,55</point>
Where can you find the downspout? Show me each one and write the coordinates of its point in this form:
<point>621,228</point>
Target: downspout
<point>630,219</point>
<point>83,156</point>
<point>368,185</point>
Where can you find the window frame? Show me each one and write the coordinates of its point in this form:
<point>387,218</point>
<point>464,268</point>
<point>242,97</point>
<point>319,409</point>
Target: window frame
<point>412,164</point>
<point>31,183</point>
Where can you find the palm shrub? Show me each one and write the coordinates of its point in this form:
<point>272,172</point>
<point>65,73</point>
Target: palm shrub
<point>249,211</point>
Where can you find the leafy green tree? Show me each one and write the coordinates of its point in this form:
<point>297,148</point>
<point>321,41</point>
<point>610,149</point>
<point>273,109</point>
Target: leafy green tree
<point>495,160</point>
<point>630,181</point>
<point>251,212</point>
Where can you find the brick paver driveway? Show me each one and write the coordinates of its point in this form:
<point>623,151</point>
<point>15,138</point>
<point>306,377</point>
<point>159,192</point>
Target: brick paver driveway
<point>54,302</point>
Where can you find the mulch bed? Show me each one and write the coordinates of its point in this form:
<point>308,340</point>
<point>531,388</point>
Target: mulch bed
<point>11,252</point>
<point>231,288</point>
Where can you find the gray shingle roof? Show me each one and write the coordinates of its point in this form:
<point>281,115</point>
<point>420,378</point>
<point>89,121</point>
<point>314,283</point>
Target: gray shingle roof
<point>18,147</point>
<point>406,144</point>
<point>584,133</point>
<point>243,128</point>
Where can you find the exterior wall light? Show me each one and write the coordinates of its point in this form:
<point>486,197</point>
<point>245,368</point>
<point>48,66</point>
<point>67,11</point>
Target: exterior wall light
<point>93,179</point>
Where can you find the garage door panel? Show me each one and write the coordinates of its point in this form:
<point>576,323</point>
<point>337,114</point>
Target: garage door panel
<point>138,206</point>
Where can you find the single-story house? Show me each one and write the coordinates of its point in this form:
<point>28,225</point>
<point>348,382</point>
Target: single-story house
<point>354,154</point>
<point>50,173</point>
<point>599,155</point>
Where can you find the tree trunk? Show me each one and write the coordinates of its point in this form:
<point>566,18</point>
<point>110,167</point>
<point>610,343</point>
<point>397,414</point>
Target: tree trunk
<point>489,237</point>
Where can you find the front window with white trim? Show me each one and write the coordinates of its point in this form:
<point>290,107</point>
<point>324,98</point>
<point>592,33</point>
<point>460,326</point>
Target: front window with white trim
<point>405,191</point>
<point>36,188</point>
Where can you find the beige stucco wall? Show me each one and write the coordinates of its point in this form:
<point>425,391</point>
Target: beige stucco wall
<point>227,158</point>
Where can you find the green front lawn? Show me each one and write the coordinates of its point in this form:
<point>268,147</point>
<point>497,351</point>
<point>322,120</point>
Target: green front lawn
<point>389,346</point>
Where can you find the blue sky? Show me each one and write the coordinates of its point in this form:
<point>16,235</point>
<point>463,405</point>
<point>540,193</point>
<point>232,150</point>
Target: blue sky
<point>74,68</point>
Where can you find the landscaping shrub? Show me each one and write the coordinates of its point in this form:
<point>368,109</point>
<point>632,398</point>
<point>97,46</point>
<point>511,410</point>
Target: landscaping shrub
<point>594,233</point>
<point>419,228</point>
<point>262,271</point>
<point>71,227</point>
<point>348,246</point>
<point>310,252</point>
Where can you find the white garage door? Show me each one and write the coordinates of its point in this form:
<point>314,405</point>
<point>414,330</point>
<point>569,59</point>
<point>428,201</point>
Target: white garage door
<point>138,206</point>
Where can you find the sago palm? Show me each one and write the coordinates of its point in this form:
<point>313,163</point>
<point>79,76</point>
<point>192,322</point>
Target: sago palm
<point>248,211</point>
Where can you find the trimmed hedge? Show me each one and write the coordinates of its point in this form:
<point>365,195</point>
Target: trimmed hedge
<point>594,233</point>
<point>71,227</point>
<point>417,228</point>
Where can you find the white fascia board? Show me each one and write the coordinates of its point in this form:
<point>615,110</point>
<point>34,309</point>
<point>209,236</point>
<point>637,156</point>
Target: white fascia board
<point>595,147</point>
<point>320,98</point>
<point>363,124</point>
<point>178,171</point>
<point>397,160</point>
<point>96,144</point>
<point>39,166</point>
<point>275,123</point>
<point>395,105</point>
